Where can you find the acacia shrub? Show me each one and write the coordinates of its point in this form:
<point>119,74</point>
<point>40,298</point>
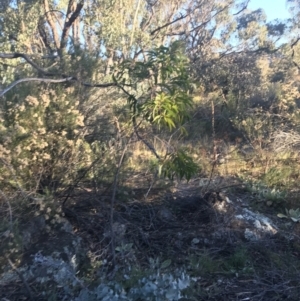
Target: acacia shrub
<point>42,139</point>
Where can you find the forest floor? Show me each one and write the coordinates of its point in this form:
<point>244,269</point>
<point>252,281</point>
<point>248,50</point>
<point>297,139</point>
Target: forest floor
<point>201,226</point>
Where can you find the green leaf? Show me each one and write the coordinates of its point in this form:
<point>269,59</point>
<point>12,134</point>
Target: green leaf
<point>280,215</point>
<point>166,264</point>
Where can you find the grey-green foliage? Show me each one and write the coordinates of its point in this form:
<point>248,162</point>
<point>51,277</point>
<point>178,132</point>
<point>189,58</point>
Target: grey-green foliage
<point>294,215</point>
<point>156,287</point>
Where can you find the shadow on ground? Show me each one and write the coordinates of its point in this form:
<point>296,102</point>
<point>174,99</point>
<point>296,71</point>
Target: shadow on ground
<point>230,251</point>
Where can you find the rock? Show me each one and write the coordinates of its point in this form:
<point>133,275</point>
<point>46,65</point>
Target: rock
<point>52,256</point>
<point>256,226</point>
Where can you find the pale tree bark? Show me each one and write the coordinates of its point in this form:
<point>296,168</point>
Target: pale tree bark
<point>52,25</point>
<point>73,12</point>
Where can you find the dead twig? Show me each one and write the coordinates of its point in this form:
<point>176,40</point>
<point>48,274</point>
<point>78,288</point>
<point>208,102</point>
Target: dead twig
<point>30,295</point>
<point>214,145</point>
<point>9,208</point>
<point>112,204</point>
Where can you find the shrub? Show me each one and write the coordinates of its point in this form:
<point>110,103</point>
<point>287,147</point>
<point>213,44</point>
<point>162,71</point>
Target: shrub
<point>42,139</point>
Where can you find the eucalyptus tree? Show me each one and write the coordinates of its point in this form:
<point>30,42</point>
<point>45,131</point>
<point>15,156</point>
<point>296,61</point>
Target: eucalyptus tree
<point>116,30</point>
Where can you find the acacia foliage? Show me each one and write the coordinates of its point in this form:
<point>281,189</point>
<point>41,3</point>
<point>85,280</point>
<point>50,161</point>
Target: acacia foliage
<point>42,138</point>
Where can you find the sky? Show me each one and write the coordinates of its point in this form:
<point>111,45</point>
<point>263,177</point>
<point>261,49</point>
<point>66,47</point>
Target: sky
<point>274,9</point>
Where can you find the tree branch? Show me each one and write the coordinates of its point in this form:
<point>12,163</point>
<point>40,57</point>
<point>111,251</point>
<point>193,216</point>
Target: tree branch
<point>47,80</point>
<point>70,20</point>
<point>242,9</point>
<point>27,59</point>
<point>50,80</point>
<point>167,24</point>
<point>295,42</point>
<point>211,18</point>
<point>65,78</point>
